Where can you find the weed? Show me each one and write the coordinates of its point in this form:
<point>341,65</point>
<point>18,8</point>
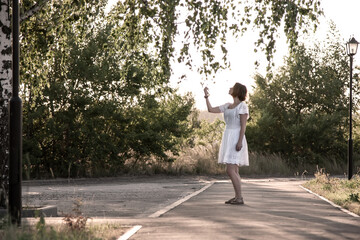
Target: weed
<point>327,187</point>
<point>40,227</point>
<point>321,176</point>
<point>354,197</point>
<point>76,221</point>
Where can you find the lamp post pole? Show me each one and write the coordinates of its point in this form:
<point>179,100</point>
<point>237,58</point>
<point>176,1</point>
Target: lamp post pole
<point>351,49</point>
<point>15,154</point>
<point>350,153</point>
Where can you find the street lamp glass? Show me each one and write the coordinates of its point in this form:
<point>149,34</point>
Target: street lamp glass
<point>351,47</point>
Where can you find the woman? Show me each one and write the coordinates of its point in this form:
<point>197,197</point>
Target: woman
<point>233,150</point>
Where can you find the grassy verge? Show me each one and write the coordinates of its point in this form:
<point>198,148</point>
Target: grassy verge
<point>73,227</point>
<point>343,192</point>
<point>77,230</point>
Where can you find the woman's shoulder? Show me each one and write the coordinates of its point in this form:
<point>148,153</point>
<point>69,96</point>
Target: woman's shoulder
<point>226,105</point>
<point>243,108</point>
<point>223,107</point>
<point>242,104</point>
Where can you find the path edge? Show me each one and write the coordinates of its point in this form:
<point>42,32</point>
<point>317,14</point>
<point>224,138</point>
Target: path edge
<point>130,232</point>
<point>180,201</point>
<point>330,202</point>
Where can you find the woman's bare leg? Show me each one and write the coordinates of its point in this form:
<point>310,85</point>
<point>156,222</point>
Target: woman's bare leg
<point>232,171</point>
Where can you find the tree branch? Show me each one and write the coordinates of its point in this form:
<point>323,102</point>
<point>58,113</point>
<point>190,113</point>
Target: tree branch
<point>34,9</point>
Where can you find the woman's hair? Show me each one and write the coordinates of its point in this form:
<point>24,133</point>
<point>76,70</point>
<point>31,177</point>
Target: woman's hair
<point>239,91</point>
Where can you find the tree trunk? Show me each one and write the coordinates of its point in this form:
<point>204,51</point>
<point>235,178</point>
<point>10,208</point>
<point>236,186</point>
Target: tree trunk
<point>6,88</point>
<point>5,94</point>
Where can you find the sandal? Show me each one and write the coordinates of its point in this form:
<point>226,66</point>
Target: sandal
<point>230,200</point>
<point>236,201</point>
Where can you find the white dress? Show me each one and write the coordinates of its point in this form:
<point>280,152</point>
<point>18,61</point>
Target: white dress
<point>228,153</point>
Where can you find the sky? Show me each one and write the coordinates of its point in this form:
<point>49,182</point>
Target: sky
<point>345,15</point>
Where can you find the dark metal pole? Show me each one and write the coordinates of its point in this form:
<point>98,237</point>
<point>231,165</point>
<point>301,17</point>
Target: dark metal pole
<point>15,161</point>
<point>350,153</point>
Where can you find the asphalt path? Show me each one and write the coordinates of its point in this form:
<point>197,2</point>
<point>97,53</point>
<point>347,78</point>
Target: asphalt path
<point>274,208</point>
<point>110,197</point>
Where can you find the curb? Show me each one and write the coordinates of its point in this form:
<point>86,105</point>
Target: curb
<point>45,211</point>
<point>330,202</point>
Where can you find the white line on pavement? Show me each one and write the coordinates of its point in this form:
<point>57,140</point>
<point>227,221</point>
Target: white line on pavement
<point>180,201</point>
<point>129,233</point>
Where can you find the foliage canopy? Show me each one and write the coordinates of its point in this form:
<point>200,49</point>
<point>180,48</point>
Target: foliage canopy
<point>96,87</point>
<point>301,110</point>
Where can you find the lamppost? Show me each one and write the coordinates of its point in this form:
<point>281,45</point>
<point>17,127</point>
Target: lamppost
<point>351,49</point>
<point>15,127</point>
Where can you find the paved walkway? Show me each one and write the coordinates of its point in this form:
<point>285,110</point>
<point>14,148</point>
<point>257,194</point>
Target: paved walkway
<point>274,209</point>
<point>123,197</point>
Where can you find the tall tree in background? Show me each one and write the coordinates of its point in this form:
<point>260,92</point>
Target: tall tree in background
<point>301,110</point>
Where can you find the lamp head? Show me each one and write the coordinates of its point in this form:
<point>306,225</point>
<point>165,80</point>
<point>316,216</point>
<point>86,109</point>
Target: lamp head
<point>351,47</point>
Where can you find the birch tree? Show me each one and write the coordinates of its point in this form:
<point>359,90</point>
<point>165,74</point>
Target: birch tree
<point>6,84</point>
<point>5,93</point>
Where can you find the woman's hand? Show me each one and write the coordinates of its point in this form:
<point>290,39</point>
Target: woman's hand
<point>206,91</point>
<point>238,146</point>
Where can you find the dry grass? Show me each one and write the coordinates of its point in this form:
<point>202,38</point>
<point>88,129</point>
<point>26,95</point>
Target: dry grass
<point>198,160</point>
<point>42,231</point>
<point>343,192</point>
<point>108,231</point>
<point>202,160</point>
<point>267,165</point>
<point>73,227</point>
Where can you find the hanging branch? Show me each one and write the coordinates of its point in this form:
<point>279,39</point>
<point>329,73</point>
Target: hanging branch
<point>34,9</point>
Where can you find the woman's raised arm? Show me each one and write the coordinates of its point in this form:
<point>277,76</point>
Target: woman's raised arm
<point>209,107</point>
